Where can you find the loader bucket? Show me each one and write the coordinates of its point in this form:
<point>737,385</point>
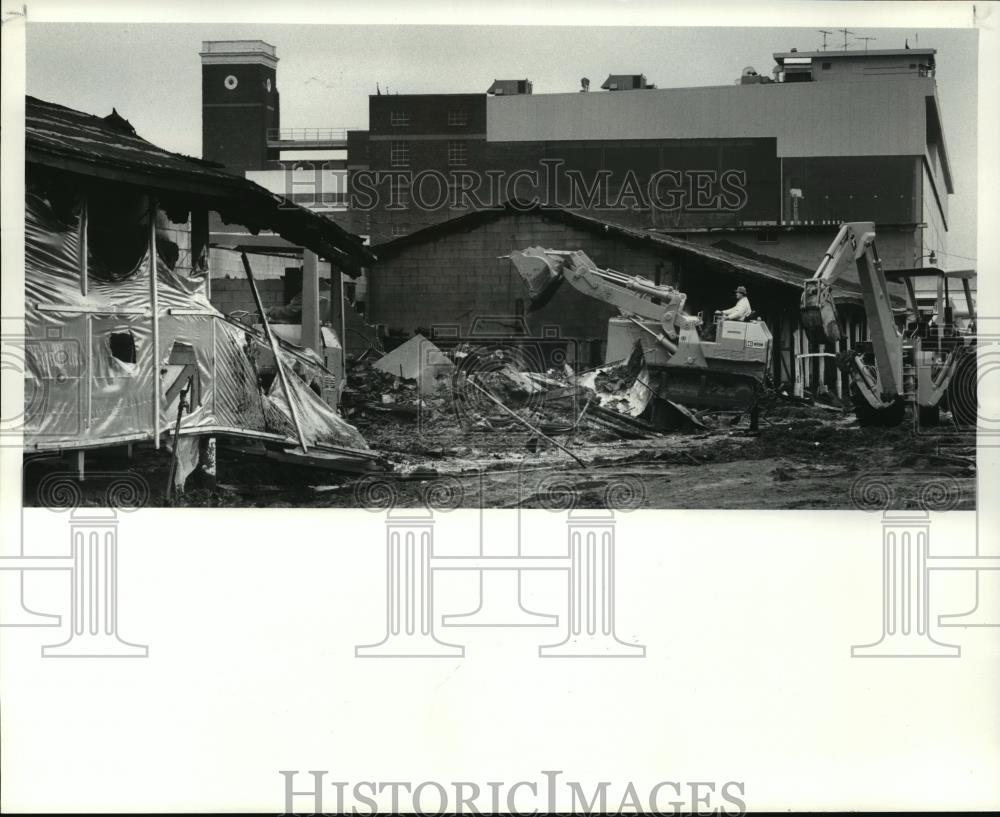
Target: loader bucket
<point>540,274</point>
<point>818,313</point>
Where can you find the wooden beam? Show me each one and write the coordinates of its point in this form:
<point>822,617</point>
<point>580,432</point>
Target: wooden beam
<point>276,351</point>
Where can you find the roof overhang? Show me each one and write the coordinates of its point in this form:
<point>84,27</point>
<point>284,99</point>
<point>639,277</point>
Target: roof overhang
<point>92,148</point>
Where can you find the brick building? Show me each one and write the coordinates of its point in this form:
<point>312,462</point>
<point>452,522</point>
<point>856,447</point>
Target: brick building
<point>773,165</point>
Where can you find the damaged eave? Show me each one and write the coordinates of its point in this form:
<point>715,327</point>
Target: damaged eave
<point>104,148</point>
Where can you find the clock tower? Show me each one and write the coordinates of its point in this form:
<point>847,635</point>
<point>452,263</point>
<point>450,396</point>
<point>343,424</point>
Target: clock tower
<point>239,102</point>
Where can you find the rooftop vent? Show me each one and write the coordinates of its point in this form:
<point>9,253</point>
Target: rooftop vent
<point>751,77</point>
<point>626,82</point>
<point>510,87</point>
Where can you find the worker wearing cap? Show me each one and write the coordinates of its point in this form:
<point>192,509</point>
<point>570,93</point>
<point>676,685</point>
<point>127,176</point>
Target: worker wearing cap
<point>741,311</point>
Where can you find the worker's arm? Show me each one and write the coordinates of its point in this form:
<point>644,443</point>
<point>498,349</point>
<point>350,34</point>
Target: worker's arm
<point>738,312</point>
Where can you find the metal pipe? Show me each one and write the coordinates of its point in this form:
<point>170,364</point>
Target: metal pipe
<point>275,351</point>
<point>524,422</point>
<point>154,302</point>
<point>659,338</point>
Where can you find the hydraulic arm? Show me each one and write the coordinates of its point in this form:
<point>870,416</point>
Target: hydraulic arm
<point>819,313</point>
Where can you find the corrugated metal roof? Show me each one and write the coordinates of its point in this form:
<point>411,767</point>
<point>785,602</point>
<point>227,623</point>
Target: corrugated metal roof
<point>109,148</point>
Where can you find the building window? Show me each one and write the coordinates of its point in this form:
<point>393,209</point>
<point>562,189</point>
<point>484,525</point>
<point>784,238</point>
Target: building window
<point>767,236</point>
<point>458,154</point>
<point>399,119</point>
<point>399,229</point>
<point>457,118</point>
<point>827,66</point>
<point>399,154</point>
<point>400,193</point>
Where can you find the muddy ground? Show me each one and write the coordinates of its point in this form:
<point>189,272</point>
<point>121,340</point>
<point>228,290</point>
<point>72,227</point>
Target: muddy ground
<point>803,457</point>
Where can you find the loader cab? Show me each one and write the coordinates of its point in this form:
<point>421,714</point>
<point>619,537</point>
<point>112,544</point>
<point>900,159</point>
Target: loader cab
<point>746,341</point>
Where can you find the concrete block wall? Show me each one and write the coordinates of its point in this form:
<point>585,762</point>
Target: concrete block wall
<point>178,233</point>
<point>459,277</point>
<point>228,264</point>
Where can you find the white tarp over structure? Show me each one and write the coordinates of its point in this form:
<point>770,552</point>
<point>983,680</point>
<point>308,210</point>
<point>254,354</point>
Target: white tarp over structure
<point>90,362</point>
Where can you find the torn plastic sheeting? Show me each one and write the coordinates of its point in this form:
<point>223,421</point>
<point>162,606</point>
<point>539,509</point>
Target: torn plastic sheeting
<point>319,423</point>
<point>78,391</point>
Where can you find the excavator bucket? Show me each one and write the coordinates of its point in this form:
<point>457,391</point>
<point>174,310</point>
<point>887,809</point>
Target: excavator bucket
<point>818,312</point>
<point>539,272</point>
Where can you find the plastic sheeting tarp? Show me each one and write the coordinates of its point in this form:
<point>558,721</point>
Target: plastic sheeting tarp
<point>89,361</point>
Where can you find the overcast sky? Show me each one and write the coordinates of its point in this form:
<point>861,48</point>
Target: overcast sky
<point>152,73</point>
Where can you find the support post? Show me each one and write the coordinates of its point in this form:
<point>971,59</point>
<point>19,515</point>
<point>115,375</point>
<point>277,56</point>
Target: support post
<point>310,302</point>
<point>84,247</point>
<point>275,351</point>
<point>154,303</point>
<point>335,270</point>
<point>88,358</point>
<point>798,388</point>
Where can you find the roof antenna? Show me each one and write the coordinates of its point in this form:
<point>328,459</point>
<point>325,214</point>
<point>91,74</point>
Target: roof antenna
<point>378,90</point>
<point>845,32</point>
<point>866,39</point>
<point>824,32</point>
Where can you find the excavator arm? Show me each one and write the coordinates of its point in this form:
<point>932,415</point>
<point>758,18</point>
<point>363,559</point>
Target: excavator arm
<point>818,310</point>
<point>544,271</point>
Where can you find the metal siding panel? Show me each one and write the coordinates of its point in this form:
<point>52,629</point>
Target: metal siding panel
<point>868,117</point>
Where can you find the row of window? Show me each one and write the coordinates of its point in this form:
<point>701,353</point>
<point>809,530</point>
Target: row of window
<point>399,154</point>
<point>401,119</point>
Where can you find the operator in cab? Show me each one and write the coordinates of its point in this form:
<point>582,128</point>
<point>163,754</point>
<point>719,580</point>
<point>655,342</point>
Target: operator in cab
<point>741,310</point>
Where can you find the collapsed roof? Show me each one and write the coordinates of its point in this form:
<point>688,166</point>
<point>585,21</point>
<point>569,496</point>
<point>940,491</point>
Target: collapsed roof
<point>109,148</point>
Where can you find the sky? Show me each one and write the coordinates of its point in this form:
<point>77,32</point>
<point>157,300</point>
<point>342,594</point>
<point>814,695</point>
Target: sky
<point>151,73</point>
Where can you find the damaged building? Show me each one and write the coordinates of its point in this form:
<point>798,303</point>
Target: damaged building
<point>460,270</point>
<point>120,328</point>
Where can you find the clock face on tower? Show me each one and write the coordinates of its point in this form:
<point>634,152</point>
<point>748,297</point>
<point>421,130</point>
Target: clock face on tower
<point>231,82</point>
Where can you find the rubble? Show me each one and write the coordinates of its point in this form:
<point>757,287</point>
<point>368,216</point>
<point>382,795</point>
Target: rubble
<point>417,359</point>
